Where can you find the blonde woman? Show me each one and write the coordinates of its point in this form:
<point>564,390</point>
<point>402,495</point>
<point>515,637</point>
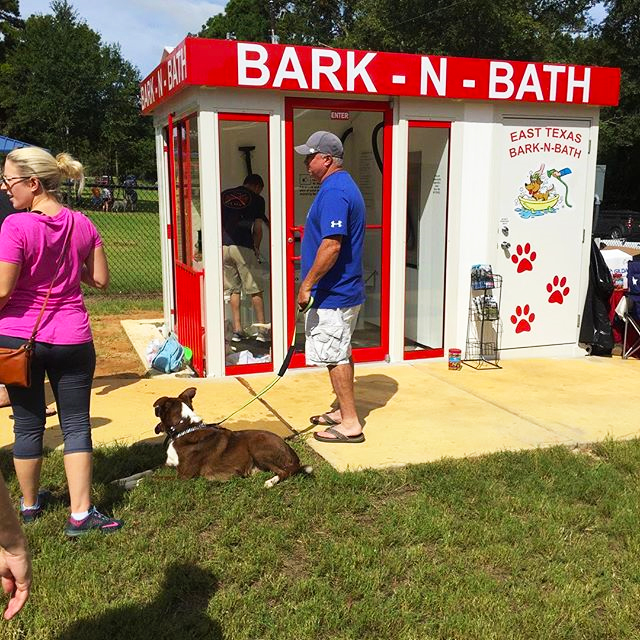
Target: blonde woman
<point>30,244</point>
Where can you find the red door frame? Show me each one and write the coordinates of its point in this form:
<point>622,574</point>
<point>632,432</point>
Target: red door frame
<point>433,353</point>
<point>242,369</point>
<point>187,282</point>
<point>367,354</point>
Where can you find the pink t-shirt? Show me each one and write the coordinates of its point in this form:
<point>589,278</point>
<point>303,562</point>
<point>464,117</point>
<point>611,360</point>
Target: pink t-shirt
<point>35,241</point>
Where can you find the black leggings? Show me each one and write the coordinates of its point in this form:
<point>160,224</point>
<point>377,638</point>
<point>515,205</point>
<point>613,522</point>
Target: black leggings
<point>70,369</point>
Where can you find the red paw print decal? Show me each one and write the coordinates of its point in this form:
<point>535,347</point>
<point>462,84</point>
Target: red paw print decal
<point>557,289</point>
<point>522,318</point>
<point>524,258</point>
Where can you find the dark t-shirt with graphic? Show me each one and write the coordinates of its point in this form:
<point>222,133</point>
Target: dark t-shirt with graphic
<point>240,209</point>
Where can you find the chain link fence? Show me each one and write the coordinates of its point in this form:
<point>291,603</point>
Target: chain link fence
<point>127,216</point>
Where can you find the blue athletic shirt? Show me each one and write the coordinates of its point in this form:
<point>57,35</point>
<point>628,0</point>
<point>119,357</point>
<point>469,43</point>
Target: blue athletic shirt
<point>338,209</point>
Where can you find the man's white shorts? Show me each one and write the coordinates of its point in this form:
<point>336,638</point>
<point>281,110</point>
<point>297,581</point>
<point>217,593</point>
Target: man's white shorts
<point>328,335</point>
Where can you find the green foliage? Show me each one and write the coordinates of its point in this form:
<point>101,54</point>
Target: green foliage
<point>536,545</point>
<point>65,90</point>
<point>245,19</point>
<point>508,29</point>
<point>616,43</point>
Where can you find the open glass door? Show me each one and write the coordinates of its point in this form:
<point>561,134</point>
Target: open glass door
<point>184,172</point>
<point>426,239</point>
<point>365,131</point>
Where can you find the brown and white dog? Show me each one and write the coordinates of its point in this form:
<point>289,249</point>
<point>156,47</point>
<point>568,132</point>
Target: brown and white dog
<point>213,452</point>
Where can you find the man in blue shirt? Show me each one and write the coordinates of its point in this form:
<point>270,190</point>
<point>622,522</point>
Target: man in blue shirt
<point>331,272</point>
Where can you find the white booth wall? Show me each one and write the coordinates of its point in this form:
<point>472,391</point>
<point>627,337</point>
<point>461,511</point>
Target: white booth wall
<point>478,199</point>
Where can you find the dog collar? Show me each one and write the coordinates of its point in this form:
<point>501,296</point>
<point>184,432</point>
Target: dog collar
<point>197,427</point>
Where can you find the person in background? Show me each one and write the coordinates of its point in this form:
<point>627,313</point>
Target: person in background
<point>15,561</point>
<point>107,198</point>
<point>30,244</point>
<point>331,272</point>
<point>243,211</point>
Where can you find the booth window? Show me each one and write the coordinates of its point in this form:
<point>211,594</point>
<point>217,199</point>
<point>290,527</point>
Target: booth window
<point>246,253</point>
<point>426,234</point>
<point>187,193</point>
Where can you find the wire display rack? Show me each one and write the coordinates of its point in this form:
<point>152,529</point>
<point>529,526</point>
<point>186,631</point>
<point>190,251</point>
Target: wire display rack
<point>482,346</point>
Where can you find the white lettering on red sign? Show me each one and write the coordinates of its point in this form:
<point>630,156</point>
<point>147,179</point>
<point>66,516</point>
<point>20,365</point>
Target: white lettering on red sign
<point>329,71</point>
<point>502,87</point>
<point>298,68</point>
<point>253,70</point>
<point>359,71</point>
<point>177,68</point>
<point>428,73</point>
<point>252,58</point>
<point>290,69</point>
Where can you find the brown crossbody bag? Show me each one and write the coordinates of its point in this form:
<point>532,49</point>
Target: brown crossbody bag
<point>15,364</point>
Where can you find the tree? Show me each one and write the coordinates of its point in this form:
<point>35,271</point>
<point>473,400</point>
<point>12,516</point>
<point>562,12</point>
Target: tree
<point>300,22</point>
<point>542,30</point>
<point>10,23</point>
<point>545,29</point>
<point>616,43</point>
<point>65,90</point>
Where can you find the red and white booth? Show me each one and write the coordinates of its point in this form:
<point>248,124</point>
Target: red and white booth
<point>461,162</point>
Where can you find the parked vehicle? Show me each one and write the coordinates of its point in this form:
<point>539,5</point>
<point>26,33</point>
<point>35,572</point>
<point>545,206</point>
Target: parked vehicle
<point>617,224</point>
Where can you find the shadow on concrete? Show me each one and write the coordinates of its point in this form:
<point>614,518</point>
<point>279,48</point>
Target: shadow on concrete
<point>179,611</point>
<point>372,392</point>
<point>113,383</point>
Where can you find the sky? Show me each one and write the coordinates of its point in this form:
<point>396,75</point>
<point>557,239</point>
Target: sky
<point>142,27</point>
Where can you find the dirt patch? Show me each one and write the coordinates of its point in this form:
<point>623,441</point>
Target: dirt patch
<point>116,355</point>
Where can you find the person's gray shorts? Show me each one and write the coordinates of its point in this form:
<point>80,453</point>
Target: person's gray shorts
<point>328,335</point>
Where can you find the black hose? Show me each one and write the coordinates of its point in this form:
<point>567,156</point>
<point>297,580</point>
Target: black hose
<point>374,144</point>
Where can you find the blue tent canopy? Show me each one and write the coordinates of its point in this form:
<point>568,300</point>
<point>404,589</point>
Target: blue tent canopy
<point>9,144</point>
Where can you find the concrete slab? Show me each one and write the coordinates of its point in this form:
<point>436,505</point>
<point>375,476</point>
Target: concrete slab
<point>413,413</point>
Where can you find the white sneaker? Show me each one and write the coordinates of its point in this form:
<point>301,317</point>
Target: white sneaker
<point>263,335</point>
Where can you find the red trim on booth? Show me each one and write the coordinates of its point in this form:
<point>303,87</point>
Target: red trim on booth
<point>438,352</point>
<point>366,354</point>
<point>264,367</point>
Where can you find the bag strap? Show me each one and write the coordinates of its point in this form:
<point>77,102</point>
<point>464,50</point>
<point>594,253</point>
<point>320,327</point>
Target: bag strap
<point>55,275</point>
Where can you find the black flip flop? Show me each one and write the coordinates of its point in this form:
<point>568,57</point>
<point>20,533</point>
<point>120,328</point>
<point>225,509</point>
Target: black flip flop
<point>323,420</point>
<point>340,438</point>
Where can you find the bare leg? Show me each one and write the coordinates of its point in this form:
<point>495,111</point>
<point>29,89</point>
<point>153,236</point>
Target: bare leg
<point>234,303</point>
<point>28,474</point>
<point>79,467</point>
<point>342,380</point>
<point>258,306</point>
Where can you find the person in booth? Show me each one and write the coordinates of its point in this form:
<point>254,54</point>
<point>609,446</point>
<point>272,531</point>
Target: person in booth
<point>243,212</point>
<point>332,273</point>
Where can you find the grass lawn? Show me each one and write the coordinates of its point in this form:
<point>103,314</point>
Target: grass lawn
<point>118,305</point>
<point>542,544</point>
<point>132,244</point>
